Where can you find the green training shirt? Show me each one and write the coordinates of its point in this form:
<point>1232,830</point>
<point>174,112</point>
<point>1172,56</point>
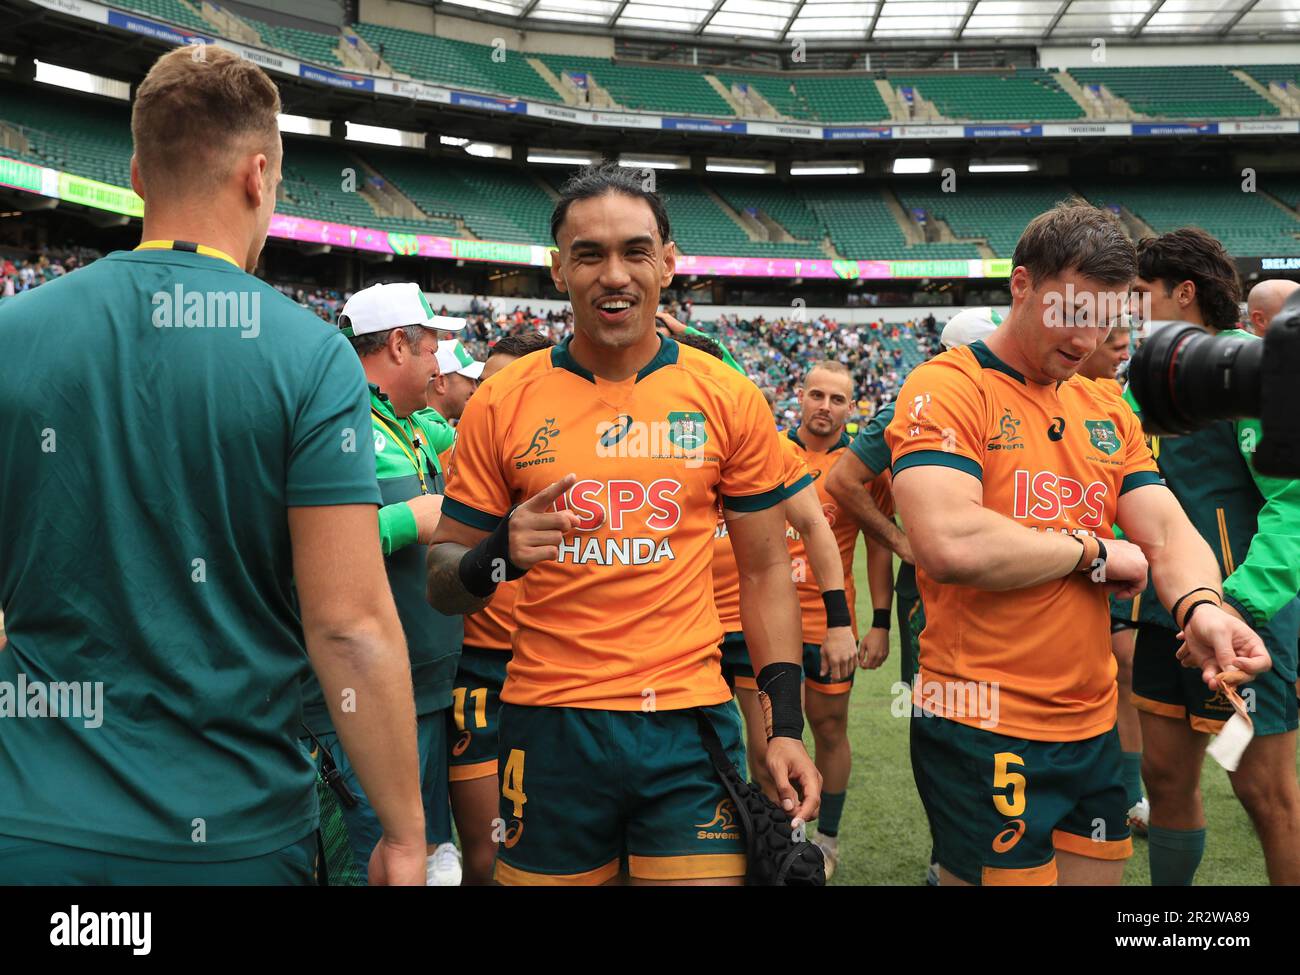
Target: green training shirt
<point>160,411</point>
<point>432,639</point>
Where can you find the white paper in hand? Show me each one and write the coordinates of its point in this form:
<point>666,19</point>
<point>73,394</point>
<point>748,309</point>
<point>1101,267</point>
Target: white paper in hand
<point>1230,744</point>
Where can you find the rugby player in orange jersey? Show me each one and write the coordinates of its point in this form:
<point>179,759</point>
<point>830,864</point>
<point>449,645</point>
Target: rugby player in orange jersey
<point>616,640</point>
<point>1008,472</point>
<point>476,696</point>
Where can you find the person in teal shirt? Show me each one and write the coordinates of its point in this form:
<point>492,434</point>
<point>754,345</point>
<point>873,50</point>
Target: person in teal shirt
<point>392,330</point>
<point>187,513</point>
<point>1252,524</point>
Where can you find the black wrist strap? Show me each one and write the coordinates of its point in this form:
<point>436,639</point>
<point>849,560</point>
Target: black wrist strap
<point>880,619</point>
<point>1192,609</point>
<point>837,608</point>
<point>1173,610</point>
<point>1098,568</point>
<point>488,563</point>
<point>779,684</point>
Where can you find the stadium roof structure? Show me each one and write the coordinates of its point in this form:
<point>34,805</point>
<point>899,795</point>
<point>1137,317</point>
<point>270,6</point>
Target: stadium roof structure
<point>902,21</point>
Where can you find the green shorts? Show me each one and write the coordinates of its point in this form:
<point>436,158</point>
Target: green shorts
<point>1123,614</point>
<point>582,788</point>
<point>812,673</point>
<point>737,671</point>
<point>26,862</point>
<point>474,713</point>
<point>1001,807</point>
<point>1162,685</point>
<point>363,825</point>
<point>911,621</point>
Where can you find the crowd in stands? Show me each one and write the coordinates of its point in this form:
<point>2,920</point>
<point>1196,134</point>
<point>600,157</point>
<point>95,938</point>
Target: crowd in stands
<point>776,353</point>
<point>19,274</point>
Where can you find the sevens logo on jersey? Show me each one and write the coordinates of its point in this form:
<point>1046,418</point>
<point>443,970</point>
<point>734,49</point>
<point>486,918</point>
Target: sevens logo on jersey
<point>1047,496</point>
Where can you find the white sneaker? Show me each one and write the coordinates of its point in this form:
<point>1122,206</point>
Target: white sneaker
<point>442,867</point>
<point>830,847</point>
<point>1139,816</point>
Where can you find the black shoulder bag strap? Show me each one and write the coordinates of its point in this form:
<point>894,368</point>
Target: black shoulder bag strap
<point>775,858</point>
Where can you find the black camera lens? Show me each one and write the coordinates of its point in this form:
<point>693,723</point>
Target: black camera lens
<point>1184,378</point>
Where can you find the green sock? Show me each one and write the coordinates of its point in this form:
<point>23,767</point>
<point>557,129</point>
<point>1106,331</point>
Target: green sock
<point>828,820</point>
<point>1174,855</point>
<point>1133,776</point>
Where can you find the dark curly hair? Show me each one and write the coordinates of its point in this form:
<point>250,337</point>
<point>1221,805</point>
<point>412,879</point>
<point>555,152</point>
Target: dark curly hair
<point>1190,254</point>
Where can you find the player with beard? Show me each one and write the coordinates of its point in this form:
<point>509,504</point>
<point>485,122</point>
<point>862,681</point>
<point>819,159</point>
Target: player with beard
<point>1008,473</point>
<point>592,474</point>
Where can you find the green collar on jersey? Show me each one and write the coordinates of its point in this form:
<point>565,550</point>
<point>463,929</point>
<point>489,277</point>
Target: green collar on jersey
<point>985,357</point>
<point>844,441</point>
<point>561,358</point>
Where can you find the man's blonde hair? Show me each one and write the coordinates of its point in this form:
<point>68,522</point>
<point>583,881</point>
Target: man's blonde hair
<point>197,110</point>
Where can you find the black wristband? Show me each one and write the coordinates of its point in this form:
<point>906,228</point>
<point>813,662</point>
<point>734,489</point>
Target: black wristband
<point>837,608</point>
<point>1097,571</point>
<point>1173,610</point>
<point>1192,609</point>
<point>780,684</point>
<point>481,568</point>
<point>880,619</point>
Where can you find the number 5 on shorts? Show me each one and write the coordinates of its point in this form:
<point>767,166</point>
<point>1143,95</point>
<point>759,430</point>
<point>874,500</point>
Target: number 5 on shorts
<point>1012,804</point>
<point>512,782</point>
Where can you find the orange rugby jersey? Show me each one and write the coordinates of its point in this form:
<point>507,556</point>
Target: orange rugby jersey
<point>1053,458</point>
<point>726,575</point>
<point>627,610</point>
<point>491,626</point>
<point>846,538</point>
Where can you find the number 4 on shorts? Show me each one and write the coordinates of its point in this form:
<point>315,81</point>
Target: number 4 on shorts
<point>512,782</point>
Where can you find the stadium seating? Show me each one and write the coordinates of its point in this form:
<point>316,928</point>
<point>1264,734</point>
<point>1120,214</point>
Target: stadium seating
<point>987,208</point>
<point>173,11</point>
<point>1016,93</point>
<point>775,201</point>
<point>1204,91</point>
<point>89,139</point>
<point>496,203</point>
<point>862,226</point>
<point>309,45</point>
<point>1246,223</point>
<point>700,227</point>
<point>780,90</point>
<point>842,98</point>
<point>1281,73</point>
<point>313,187</point>
<point>644,87</point>
<point>457,63</point>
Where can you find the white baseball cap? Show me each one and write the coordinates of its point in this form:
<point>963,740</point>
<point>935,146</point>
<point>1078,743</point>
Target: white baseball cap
<point>454,357</point>
<point>382,307</point>
<point>969,325</point>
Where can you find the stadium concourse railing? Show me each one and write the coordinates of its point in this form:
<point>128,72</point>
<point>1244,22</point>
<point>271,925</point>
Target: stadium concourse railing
<point>867,131</point>
<point>55,184</point>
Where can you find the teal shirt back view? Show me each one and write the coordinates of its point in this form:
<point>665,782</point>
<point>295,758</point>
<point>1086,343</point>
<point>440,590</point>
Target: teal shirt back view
<point>160,410</point>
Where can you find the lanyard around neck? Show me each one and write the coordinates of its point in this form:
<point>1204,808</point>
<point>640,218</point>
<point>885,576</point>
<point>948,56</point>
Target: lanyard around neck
<point>409,447</point>
<point>188,247</point>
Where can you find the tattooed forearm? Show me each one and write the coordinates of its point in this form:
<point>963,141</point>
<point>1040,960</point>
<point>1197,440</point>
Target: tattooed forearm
<point>443,588</point>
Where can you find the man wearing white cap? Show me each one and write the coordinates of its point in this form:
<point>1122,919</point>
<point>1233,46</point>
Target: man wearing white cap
<point>450,390</point>
<point>392,329</point>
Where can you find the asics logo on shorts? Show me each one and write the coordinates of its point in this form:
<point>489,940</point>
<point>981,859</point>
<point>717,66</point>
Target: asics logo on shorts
<point>1009,837</point>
